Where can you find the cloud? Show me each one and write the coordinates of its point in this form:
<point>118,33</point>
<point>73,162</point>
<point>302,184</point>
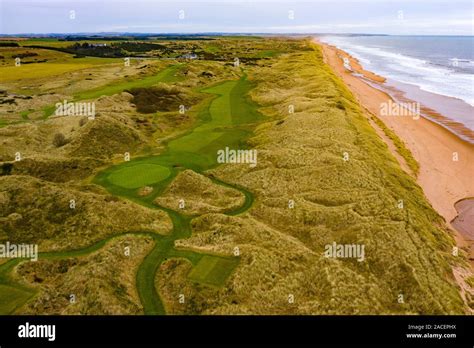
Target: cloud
<point>265,16</point>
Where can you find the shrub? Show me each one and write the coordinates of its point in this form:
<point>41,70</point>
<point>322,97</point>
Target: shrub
<point>59,140</point>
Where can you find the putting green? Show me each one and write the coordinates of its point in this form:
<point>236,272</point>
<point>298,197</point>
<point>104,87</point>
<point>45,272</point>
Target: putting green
<point>138,175</point>
<point>228,120</point>
<point>213,270</point>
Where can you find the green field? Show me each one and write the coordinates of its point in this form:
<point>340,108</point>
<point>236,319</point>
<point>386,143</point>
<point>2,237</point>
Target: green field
<point>38,70</point>
<point>12,298</point>
<point>213,270</point>
<point>12,295</point>
<point>139,175</point>
<point>226,121</point>
<point>166,75</point>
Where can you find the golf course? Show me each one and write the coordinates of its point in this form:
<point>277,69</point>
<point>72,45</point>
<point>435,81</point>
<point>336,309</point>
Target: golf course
<point>227,120</point>
<point>157,205</point>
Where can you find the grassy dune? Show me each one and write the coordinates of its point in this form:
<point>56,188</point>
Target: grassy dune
<point>345,184</point>
<point>301,158</point>
<point>166,75</point>
<point>102,280</point>
<point>195,150</point>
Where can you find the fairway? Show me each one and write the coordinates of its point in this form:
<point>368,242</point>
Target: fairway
<point>165,75</point>
<point>213,270</point>
<point>228,111</point>
<point>227,120</point>
<point>37,70</point>
<point>220,108</point>
<point>11,298</point>
<point>138,175</point>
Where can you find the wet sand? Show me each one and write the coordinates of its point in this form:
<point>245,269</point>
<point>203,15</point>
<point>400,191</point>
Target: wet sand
<point>465,218</point>
<point>446,161</point>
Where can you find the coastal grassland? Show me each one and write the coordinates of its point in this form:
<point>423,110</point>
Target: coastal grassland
<point>39,70</point>
<point>191,251</point>
<point>400,146</point>
<point>30,56</point>
<point>365,200</point>
<point>165,75</point>
<point>199,194</point>
<point>49,221</point>
<point>43,64</point>
<point>36,204</point>
<point>225,121</point>
<point>102,281</point>
<point>196,151</point>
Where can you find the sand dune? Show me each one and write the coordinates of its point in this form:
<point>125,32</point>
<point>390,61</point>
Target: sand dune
<point>444,181</point>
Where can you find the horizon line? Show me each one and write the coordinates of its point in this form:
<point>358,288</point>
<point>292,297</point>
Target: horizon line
<point>217,33</point>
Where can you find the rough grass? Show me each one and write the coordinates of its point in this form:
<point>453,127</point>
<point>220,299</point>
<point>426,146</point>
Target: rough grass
<point>300,157</point>
<point>400,146</point>
<point>103,280</point>
<point>200,195</point>
<point>165,75</point>
<point>407,250</point>
<point>160,98</point>
<point>49,221</point>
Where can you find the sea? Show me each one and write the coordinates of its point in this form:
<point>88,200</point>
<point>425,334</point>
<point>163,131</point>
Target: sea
<point>422,67</point>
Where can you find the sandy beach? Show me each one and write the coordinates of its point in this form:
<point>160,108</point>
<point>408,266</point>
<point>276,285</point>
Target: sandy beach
<point>446,161</point>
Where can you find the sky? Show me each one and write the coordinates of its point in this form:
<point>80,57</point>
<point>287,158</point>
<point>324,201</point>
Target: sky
<point>404,17</point>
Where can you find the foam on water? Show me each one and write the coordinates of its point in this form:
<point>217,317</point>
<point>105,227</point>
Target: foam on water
<point>455,81</point>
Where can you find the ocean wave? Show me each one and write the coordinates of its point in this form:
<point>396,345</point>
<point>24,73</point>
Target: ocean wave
<point>428,76</point>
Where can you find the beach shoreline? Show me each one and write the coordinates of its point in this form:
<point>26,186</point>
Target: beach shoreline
<point>446,162</point>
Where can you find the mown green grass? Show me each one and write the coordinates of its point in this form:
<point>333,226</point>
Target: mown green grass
<point>38,70</point>
<point>139,175</point>
<point>226,121</point>
<point>213,270</point>
<point>166,75</point>
<point>267,54</point>
<point>12,298</point>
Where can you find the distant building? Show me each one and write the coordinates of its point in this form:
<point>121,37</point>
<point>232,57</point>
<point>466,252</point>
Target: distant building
<point>99,45</point>
<point>189,56</point>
